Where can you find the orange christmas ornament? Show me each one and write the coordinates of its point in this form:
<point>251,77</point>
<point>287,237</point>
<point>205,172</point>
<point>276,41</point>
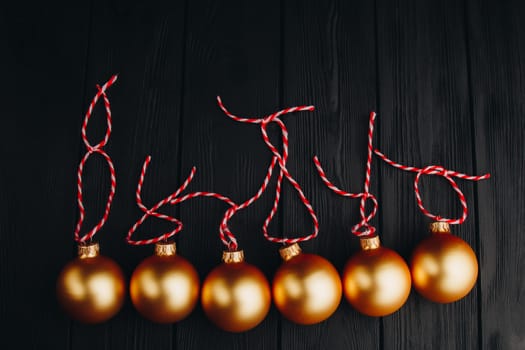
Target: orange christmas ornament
<point>164,288</point>
<point>444,267</point>
<point>306,288</point>
<point>376,280</point>
<point>91,288</point>
<point>235,295</point>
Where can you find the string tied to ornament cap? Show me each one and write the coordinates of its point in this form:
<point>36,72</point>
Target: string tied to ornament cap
<point>277,159</point>
<point>363,228</point>
<point>171,199</point>
<point>96,302</point>
<point>98,148</point>
<point>374,265</point>
<point>293,296</point>
<point>439,171</point>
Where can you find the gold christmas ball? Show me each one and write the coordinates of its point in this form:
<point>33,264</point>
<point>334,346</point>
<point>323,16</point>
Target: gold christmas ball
<point>164,288</point>
<point>306,287</point>
<point>235,295</point>
<point>376,280</point>
<point>444,267</point>
<point>91,288</point>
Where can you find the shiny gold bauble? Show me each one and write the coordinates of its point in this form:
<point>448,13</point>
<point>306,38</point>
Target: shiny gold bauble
<point>164,288</point>
<point>306,287</point>
<point>376,280</point>
<point>91,288</point>
<point>235,295</point>
<point>444,267</point>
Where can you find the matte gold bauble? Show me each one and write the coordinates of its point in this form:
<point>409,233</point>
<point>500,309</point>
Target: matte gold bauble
<point>164,288</point>
<point>444,267</point>
<point>376,280</point>
<point>306,287</point>
<point>91,288</point>
<point>235,295</point>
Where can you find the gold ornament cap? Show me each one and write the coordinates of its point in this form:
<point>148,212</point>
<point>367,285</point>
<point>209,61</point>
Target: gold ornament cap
<point>165,249</point>
<point>232,257</point>
<point>88,250</point>
<point>369,243</point>
<point>439,227</point>
<point>290,251</point>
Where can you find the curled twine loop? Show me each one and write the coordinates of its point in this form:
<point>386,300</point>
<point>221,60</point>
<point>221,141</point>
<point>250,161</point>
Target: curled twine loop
<point>98,148</point>
<point>279,159</point>
<point>363,228</point>
<point>439,171</point>
<point>172,200</point>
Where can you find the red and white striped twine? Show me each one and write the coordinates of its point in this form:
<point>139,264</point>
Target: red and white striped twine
<point>277,158</point>
<point>363,228</point>
<point>172,200</point>
<point>440,171</point>
<point>98,148</point>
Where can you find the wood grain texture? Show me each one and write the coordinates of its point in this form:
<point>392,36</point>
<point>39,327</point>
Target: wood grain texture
<point>497,46</point>
<point>233,51</point>
<point>424,118</point>
<point>42,69</point>
<point>143,43</point>
<point>446,78</point>
<point>329,62</point>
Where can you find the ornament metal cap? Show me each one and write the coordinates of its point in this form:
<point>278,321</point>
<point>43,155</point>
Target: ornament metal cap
<point>369,243</point>
<point>230,257</point>
<point>165,249</point>
<point>290,251</point>
<point>439,227</point>
<point>88,250</point>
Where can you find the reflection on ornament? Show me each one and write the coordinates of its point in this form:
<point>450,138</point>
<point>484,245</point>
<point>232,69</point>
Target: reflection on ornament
<point>235,295</point>
<point>91,288</point>
<point>376,280</point>
<point>306,287</point>
<point>444,267</point>
<point>164,288</point>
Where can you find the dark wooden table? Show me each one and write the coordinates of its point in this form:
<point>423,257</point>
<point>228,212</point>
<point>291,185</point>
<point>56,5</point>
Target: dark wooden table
<point>447,79</point>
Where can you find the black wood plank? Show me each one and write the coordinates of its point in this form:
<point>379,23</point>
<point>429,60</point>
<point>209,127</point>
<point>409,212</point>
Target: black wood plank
<point>42,68</point>
<point>232,51</point>
<point>329,61</point>
<point>497,47</point>
<point>424,119</point>
<point>143,43</point>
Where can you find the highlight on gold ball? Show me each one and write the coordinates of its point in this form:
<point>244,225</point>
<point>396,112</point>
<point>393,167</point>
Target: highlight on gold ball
<point>91,288</point>
<point>164,288</point>
<point>376,280</point>
<point>235,295</point>
<point>444,267</point>
<point>306,288</point>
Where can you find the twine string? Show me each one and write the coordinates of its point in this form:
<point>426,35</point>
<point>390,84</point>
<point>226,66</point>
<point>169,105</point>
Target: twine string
<point>99,149</point>
<point>171,199</point>
<point>277,159</point>
<point>439,171</point>
<point>363,228</point>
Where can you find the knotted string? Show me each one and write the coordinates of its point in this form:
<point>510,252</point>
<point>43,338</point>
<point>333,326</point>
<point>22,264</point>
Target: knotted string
<point>172,200</point>
<point>98,148</point>
<point>363,228</point>
<point>439,171</point>
<point>281,160</point>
